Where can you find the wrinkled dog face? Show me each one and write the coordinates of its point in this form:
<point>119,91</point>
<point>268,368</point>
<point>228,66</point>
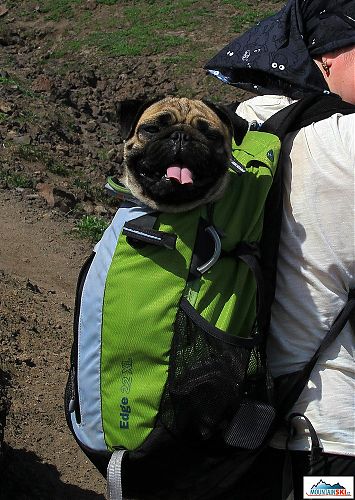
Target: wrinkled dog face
<point>177,153</point>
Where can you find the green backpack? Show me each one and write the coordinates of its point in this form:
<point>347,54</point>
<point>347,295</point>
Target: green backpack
<point>168,391</point>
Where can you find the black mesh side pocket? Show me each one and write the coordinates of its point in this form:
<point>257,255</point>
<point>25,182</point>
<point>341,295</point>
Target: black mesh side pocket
<point>206,376</point>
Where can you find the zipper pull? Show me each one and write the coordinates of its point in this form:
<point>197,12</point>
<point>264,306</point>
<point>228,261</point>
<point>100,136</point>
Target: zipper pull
<point>72,402</point>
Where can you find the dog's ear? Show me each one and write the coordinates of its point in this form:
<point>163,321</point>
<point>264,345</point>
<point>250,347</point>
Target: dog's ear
<point>239,127</point>
<point>128,113</point>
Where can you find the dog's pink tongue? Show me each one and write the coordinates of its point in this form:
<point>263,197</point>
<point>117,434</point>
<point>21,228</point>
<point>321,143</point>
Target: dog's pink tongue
<point>180,173</point>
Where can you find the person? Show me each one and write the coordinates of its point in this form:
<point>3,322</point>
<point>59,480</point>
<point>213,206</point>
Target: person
<point>308,47</point>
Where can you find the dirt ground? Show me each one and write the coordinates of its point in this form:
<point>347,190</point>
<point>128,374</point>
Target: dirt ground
<point>39,266</point>
<point>59,139</point>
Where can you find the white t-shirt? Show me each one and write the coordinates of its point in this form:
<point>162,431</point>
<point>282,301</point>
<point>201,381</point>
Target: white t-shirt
<point>315,272</point>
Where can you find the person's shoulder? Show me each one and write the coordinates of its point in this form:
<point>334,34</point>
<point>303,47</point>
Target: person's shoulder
<point>260,108</point>
<point>339,128</point>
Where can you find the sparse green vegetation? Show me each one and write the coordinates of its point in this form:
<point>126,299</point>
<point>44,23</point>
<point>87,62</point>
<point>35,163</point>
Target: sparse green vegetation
<point>132,42</point>
<point>246,15</point>
<point>27,116</point>
<point>182,59</point>
<point>148,28</point>
<point>177,30</point>
<point>16,179</point>
<point>103,155</point>
<point>17,85</point>
<point>3,117</point>
<point>58,9</point>
<point>7,81</point>
<point>81,184</point>
<point>91,191</point>
<point>58,169</point>
<point>32,153</point>
<point>142,27</point>
<point>91,226</point>
<point>107,2</point>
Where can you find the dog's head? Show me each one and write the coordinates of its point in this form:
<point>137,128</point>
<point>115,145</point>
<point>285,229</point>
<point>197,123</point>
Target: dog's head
<point>177,152</point>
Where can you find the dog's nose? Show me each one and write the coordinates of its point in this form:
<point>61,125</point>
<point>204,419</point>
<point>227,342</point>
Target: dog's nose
<point>179,136</point>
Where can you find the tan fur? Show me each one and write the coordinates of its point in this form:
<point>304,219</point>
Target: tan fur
<point>185,111</point>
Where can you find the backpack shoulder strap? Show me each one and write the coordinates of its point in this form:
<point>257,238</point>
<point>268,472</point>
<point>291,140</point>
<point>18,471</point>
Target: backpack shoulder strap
<point>293,385</point>
<point>310,109</point>
<point>322,108</point>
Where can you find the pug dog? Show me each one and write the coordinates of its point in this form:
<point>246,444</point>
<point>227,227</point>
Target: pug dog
<point>176,153</point>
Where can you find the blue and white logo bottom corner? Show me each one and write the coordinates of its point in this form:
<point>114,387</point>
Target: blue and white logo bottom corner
<point>328,487</point>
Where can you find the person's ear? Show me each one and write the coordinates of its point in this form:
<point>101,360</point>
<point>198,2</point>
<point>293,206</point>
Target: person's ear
<point>323,64</point>
<point>326,66</point>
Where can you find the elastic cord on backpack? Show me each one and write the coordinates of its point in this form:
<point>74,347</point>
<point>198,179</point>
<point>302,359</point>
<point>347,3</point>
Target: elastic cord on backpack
<point>316,452</point>
<point>316,448</point>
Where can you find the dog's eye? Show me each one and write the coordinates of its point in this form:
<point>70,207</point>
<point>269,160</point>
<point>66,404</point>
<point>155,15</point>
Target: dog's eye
<point>149,129</point>
<point>214,135</point>
<point>211,133</point>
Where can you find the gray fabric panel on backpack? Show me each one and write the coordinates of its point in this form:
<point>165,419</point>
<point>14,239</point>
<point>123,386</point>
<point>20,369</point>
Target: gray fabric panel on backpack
<point>90,431</point>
